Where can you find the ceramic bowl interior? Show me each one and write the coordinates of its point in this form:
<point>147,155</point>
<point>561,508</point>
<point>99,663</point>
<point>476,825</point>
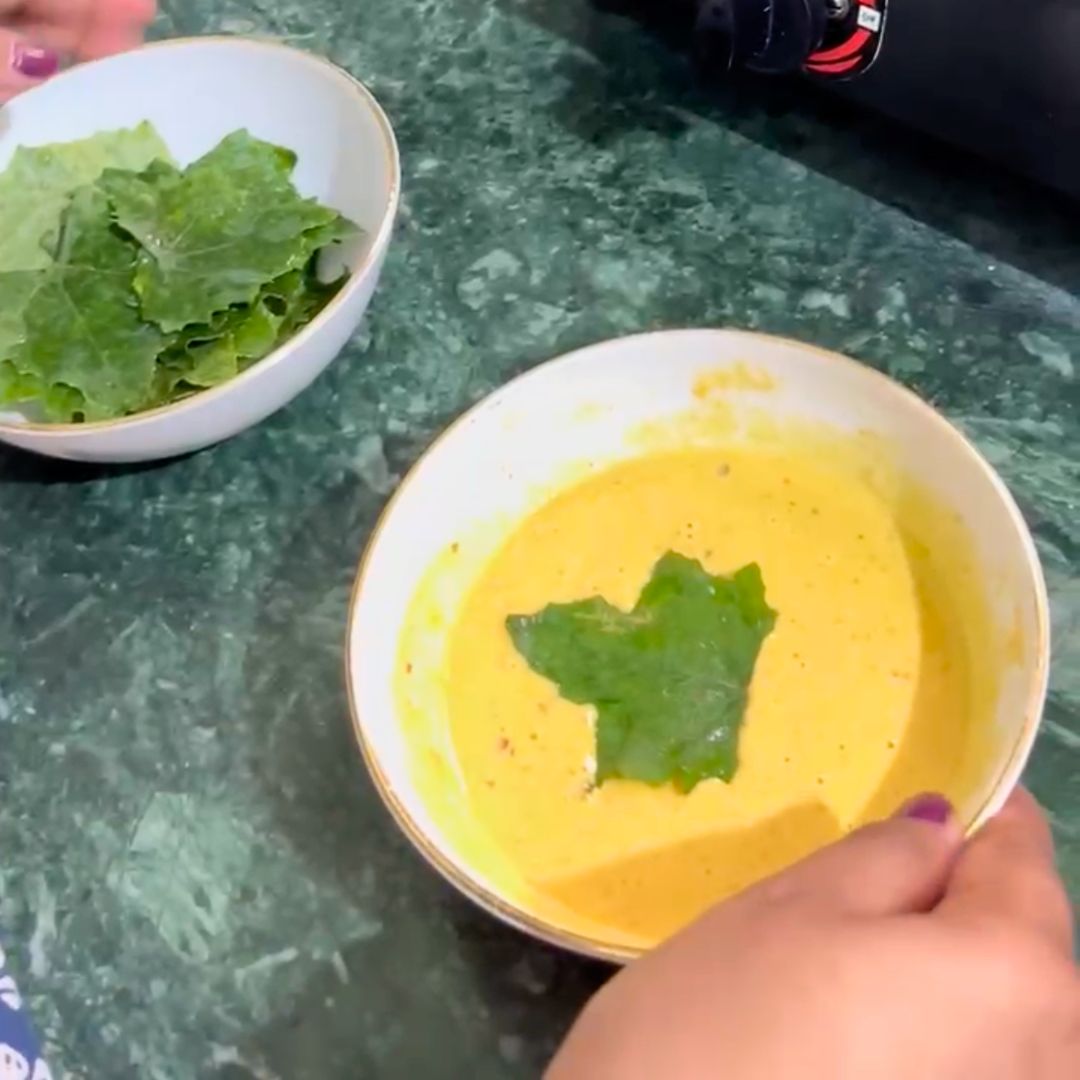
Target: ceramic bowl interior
<point>195,92</point>
<point>588,410</point>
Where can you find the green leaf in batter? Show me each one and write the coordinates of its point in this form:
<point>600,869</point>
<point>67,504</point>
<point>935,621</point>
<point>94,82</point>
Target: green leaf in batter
<point>83,344</point>
<point>669,679</point>
<point>215,234</point>
<point>37,184</point>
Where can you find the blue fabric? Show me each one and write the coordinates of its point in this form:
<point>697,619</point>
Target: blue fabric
<point>20,1054</point>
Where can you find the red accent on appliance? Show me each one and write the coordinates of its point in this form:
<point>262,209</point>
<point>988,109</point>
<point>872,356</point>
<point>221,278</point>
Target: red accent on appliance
<point>844,50</point>
<point>837,68</point>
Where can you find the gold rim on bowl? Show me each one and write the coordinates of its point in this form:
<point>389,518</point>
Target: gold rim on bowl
<point>1008,773</point>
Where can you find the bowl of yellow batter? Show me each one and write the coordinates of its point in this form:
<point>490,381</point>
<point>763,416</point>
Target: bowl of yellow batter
<point>891,637</point>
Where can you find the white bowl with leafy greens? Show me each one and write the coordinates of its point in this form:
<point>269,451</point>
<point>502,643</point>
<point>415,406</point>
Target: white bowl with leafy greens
<point>189,234</point>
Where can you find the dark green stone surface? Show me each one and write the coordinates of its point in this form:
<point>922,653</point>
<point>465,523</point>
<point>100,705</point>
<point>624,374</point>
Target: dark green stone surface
<point>196,878</point>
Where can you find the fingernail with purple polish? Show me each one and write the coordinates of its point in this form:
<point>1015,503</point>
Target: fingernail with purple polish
<point>931,807</point>
<point>34,63</point>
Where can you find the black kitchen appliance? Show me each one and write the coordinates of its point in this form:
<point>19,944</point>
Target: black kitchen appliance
<point>1000,77</point>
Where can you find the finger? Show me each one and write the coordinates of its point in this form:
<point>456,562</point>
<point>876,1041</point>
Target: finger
<point>52,24</point>
<point>117,25</point>
<point>24,65</point>
<point>894,867</point>
<point>1007,872</point>
<point>99,42</point>
<point>86,29</point>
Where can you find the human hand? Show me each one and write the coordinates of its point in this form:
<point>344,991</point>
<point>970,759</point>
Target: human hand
<point>36,36</point>
<point>898,953</point>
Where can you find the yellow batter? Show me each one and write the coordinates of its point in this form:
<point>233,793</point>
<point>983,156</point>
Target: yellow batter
<point>862,694</point>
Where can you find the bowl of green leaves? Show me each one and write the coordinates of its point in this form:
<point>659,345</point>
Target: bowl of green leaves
<point>189,234</point>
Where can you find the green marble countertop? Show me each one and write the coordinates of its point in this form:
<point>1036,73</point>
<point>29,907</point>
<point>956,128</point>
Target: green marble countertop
<point>196,878</point>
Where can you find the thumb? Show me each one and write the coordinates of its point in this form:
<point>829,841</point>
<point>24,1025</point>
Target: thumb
<point>1007,873</point>
<point>894,867</point>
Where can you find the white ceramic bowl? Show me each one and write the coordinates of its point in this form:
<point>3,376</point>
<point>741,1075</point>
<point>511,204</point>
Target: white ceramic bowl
<point>196,92</point>
<point>513,449</point>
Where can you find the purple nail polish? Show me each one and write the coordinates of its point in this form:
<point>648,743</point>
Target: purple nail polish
<point>34,63</point>
<point>931,807</point>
